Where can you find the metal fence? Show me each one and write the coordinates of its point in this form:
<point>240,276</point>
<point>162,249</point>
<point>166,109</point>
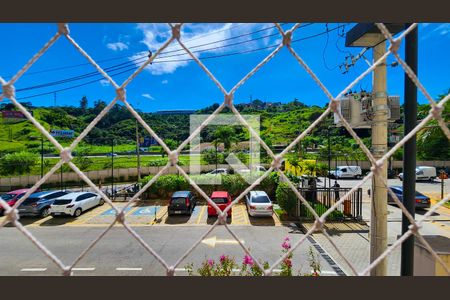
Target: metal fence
<point>321,199</point>
<point>286,37</point>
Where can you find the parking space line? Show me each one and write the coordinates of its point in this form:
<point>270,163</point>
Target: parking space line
<point>87,216</point>
<point>33,269</point>
<point>128,269</point>
<point>202,212</point>
<point>83,269</point>
<point>40,221</point>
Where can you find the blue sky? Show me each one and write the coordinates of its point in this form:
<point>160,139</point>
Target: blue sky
<point>181,84</point>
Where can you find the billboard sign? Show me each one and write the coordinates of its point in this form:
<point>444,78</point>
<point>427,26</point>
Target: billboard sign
<point>12,114</point>
<point>62,133</point>
<point>147,141</point>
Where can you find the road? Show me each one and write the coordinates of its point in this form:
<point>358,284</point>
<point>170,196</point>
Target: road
<point>118,253</point>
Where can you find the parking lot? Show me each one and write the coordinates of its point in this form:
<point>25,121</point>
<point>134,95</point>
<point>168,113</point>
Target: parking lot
<point>152,213</point>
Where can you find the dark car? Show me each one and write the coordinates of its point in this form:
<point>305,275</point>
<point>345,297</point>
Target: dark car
<point>38,204</point>
<point>182,202</point>
<point>422,201</point>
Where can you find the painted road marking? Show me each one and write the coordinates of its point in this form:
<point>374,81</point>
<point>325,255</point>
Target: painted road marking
<point>129,269</point>
<point>112,212</point>
<point>34,270</point>
<point>212,241</point>
<point>202,212</point>
<point>89,215</point>
<point>146,211</point>
<point>83,269</point>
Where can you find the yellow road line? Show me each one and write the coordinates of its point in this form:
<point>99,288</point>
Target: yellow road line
<point>201,214</point>
<point>90,215</point>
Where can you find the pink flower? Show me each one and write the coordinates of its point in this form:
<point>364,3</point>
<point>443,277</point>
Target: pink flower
<point>210,262</point>
<point>288,262</point>
<point>248,260</point>
<point>222,258</point>
<point>286,239</point>
<point>286,245</point>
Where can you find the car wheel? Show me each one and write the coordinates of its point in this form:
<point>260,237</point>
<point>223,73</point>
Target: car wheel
<point>102,201</point>
<point>45,212</point>
<point>77,212</point>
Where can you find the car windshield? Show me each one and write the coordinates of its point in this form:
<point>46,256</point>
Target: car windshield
<point>220,200</point>
<point>62,201</point>
<point>178,200</point>
<point>30,201</point>
<point>7,197</point>
<point>260,199</point>
<point>400,191</point>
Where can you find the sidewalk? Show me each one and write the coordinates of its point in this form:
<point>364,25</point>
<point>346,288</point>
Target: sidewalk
<point>352,239</point>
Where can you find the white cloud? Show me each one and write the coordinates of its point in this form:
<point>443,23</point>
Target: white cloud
<point>105,82</point>
<point>118,46</point>
<point>148,96</point>
<point>207,39</point>
<point>165,81</point>
<point>433,29</point>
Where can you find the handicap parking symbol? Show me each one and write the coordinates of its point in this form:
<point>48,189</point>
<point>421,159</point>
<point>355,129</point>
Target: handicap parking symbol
<point>146,211</point>
<point>112,212</point>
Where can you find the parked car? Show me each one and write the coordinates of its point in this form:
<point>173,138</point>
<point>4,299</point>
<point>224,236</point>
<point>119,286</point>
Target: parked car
<point>259,204</point>
<point>181,202</point>
<point>422,201</point>
<point>38,204</point>
<point>12,197</point>
<point>111,154</point>
<point>219,171</point>
<point>253,169</point>
<point>423,173</point>
<point>222,199</point>
<point>74,204</point>
<point>346,172</point>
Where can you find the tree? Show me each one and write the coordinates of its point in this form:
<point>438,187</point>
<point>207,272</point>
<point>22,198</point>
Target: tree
<point>172,144</point>
<point>17,163</point>
<point>225,135</point>
<point>84,103</point>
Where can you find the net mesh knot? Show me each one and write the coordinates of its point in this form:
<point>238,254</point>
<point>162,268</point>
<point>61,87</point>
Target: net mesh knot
<point>395,46</point>
<point>334,105</point>
<point>120,92</point>
<point>222,218</point>
<point>67,271</point>
<point>8,91</point>
<point>287,38</point>
<point>176,31</point>
<point>63,29</point>
<point>414,228</point>
<point>120,217</point>
<point>170,271</point>
<point>11,214</point>
<point>229,100</point>
<point>318,225</point>
<point>66,155</point>
<point>276,163</point>
<point>173,158</point>
<point>436,111</point>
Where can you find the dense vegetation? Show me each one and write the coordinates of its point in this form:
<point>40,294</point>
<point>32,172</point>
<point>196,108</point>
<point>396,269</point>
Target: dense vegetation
<point>280,124</point>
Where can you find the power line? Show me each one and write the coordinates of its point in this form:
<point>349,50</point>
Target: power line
<point>169,47</point>
<point>177,60</point>
<point>144,57</point>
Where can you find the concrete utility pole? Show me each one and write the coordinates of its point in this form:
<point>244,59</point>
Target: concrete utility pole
<point>378,219</point>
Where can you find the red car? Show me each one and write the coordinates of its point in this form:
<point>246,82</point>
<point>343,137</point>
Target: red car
<point>12,197</point>
<point>222,199</point>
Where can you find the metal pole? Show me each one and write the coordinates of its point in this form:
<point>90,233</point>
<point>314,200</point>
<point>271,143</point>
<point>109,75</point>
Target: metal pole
<point>112,168</point>
<point>442,184</point>
<point>409,154</point>
<point>329,158</point>
<point>42,156</point>
<point>61,182</point>
<point>138,153</point>
<point>378,220</point>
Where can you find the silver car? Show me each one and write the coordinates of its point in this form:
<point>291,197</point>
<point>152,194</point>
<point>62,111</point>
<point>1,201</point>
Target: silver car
<point>259,204</point>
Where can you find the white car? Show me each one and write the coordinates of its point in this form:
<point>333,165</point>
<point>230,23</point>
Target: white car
<point>259,204</point>
<point>74,204</point>
<point>253,169</point>
<point>346,172</point>
<point>423,173</point>
<point>219,171</point>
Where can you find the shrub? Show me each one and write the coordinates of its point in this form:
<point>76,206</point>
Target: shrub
<point>17,163</point>
<point>286,198</point>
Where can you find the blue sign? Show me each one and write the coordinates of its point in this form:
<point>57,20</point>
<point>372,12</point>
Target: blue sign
<point>146,211</point>
<point>148,141</point>
<point>112,212</point>
<point>62,133</point>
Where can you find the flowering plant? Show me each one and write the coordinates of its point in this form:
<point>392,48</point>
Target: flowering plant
<point>286,265</point>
